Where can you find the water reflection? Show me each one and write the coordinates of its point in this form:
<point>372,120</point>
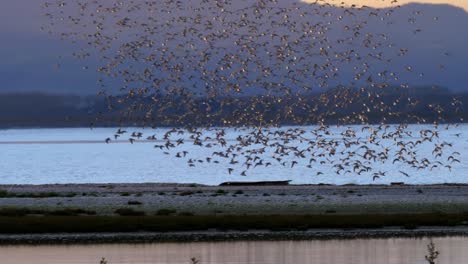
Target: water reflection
<point>360,251</point>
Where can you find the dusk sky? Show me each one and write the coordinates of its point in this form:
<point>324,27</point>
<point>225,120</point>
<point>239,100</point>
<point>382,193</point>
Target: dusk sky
<point>30,57</point>
<point>387,3</point>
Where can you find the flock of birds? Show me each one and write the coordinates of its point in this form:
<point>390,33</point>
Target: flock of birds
<point>342,150</point>
<point>192,60</point>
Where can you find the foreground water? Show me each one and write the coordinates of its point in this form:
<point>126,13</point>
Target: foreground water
<point>43,156</point>
<point>357,251</point>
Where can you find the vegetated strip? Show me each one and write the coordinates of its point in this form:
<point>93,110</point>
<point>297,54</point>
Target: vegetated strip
<point>53,223</point>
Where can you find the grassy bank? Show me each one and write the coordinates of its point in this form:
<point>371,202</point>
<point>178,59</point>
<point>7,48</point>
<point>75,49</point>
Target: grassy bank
<point>169,207</point>
<point>93,223</point>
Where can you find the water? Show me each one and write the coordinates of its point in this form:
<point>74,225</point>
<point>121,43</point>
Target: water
<point>79,155</point>
<point>358,251</point>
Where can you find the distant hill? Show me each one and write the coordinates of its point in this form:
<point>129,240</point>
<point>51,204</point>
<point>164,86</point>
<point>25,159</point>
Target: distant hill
<point>52,110</point>
<point>47,110</point>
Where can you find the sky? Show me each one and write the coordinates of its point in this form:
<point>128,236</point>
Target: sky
<point>32,60</point>
<point>386,3</point>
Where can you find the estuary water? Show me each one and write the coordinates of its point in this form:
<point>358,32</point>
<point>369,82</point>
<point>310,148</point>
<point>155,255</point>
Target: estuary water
<point>453,250</point>
<point>80,155</point>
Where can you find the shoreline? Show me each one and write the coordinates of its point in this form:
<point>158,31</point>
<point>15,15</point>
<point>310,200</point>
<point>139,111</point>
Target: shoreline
<point>145,185</point>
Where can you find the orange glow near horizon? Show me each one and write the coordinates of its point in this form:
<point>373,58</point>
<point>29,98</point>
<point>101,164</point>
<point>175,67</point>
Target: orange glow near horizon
<point>388,3</point>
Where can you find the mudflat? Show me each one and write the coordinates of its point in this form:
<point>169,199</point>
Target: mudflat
<point>104,199</point>
<point>190,212</point>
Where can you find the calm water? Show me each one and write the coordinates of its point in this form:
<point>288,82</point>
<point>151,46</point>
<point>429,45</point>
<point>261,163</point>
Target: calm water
<point>361,251</point>
<point>80,156</point>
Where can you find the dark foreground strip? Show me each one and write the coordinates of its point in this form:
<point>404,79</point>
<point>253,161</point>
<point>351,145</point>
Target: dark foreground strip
<point>217,236</point>
<point>15,224</point>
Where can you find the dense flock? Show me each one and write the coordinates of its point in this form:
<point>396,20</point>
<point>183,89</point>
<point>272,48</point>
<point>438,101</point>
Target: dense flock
<point>208,66</point>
